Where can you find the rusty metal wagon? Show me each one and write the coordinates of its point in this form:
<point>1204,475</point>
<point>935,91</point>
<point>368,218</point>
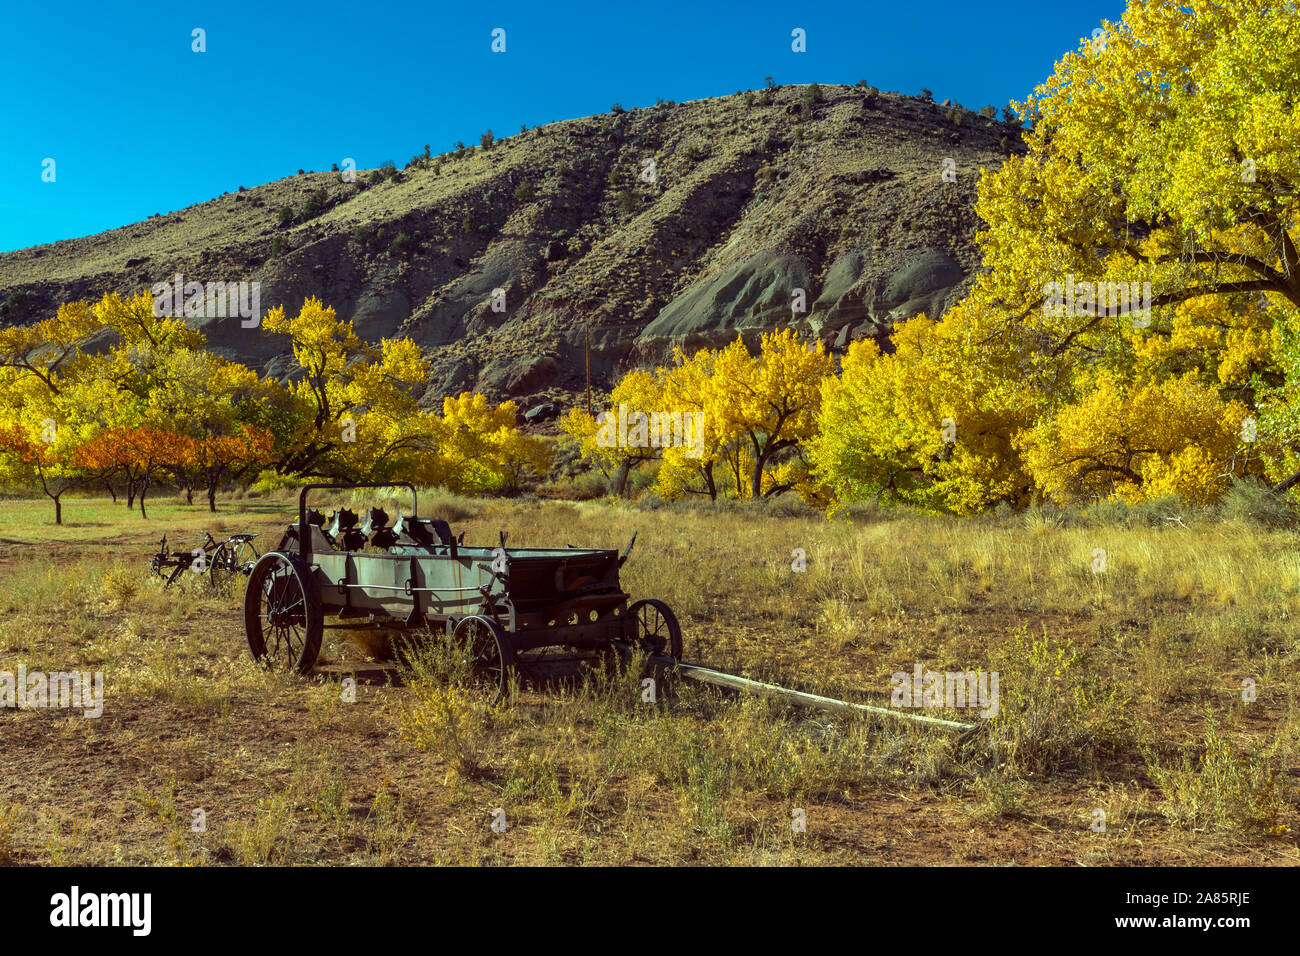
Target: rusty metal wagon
<point>496,602</point>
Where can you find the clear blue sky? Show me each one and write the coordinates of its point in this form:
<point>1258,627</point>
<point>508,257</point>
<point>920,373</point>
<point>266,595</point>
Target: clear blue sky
<point>137,123</point>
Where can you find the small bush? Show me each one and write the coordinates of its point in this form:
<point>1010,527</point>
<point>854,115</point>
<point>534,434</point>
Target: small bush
<point>524,192</point>
<point>284,216</point>
<point>317,203</point>
<point>1223,787</point>
<point>486,140</point>
<point>265,839</point>
<point>440,716</point>
<point>1054,710</point>
<point>1248,500</point>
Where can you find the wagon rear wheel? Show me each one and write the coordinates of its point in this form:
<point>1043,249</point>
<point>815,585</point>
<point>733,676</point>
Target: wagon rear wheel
<point>231,564</point>
<point>655,628</point>
<point>282,613</point>
<point>488,656</point>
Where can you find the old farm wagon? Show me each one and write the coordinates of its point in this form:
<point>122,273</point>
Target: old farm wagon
<point>495,602</point>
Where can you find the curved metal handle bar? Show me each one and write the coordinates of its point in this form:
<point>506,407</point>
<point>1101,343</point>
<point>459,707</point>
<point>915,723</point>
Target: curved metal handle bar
<point>304,536</point>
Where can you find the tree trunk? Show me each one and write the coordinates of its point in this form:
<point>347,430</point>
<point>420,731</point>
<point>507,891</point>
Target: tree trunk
<point>111,490</point>
<point>618,483</point>
<point>58,510</point>
<point>756,477</point>
<point>143,488</point>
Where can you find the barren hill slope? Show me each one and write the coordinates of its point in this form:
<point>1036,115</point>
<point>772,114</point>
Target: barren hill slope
<point>675,224</point>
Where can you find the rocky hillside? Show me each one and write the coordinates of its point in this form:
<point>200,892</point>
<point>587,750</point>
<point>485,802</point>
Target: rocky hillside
<point>676,224</point>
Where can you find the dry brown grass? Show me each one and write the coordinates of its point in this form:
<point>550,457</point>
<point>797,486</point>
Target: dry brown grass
<point>1121,694</point>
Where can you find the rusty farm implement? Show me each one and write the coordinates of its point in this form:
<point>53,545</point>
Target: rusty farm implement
<point>494,603</point>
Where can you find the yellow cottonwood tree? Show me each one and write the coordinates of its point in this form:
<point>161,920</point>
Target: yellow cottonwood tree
<point>353,409</point>
<point>1174,436</point>
<point>766,406</point>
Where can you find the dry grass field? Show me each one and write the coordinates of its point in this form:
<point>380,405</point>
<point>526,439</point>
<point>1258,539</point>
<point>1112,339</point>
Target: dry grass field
<point>1121,692</point>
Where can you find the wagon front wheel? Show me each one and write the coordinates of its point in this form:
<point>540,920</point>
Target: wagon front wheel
<point>282,613</point>
<point>655,628</point>
<point>488,656</point>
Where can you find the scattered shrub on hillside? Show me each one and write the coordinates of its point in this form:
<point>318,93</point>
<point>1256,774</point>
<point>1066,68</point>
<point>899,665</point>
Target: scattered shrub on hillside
<point>486,140</point>
<point>813,95</point>
<point>626,200</point>
<point>400,244</point>
<point>524,192</point>
<point>317,203</point>
<point>469,224</point>
<point>989,112</point>
<point>284,216</point>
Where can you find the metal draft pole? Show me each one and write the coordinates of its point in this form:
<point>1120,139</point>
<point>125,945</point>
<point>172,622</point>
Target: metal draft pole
<point>708,675</point>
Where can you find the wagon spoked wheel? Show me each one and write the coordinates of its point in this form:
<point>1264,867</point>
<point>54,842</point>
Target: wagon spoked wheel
<point>656,628</point>
<point>487,655</point>
<point>282,613</point>
<point>230,566</point>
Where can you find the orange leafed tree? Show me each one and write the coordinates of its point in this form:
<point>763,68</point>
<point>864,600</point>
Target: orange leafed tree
<point>140,453</point>
<point>217,457</point>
